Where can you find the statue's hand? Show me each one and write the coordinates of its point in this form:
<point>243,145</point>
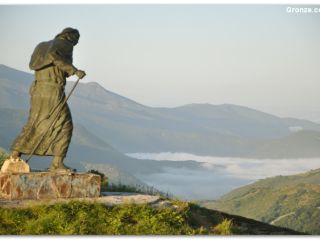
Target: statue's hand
<point>80,74</point>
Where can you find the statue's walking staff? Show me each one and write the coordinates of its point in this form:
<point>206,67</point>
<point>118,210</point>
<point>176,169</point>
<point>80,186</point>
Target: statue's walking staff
<point>53,121</point>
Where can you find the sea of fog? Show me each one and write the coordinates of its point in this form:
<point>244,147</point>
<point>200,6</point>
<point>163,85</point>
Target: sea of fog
<point>218,175</point>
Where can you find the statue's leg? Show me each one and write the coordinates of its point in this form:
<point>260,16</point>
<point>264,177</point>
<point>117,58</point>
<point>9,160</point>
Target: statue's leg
<point>57,165</point>
<point>15,154</point>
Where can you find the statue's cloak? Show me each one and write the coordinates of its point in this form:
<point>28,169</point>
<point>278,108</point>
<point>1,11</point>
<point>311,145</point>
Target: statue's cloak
<point>52,62</point>
<point>57,51</point>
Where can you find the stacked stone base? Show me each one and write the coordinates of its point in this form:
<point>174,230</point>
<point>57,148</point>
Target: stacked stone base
<point>46,185</point>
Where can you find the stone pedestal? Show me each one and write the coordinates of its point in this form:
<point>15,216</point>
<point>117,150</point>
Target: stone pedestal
<point>47,185</point>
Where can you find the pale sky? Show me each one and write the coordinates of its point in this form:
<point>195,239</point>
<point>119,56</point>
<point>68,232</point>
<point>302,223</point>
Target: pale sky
<point>258,56</point>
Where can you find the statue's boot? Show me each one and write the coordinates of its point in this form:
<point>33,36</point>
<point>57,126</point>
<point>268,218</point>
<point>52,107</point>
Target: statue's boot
<point>15,154</point>
<point>57,165</point>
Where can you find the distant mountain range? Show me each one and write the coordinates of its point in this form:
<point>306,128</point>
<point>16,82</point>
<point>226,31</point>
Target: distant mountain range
<point>204,129</point>
<point>85,150</point>
<point>286,201</point>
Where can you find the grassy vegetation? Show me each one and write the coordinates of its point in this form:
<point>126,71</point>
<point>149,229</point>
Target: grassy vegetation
<point>224,228</point>
<point>78,218</point>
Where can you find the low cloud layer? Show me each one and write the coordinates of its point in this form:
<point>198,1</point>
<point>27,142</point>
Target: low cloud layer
<point>193,184</point>
<point>246,168</point>
<point>220,174</point>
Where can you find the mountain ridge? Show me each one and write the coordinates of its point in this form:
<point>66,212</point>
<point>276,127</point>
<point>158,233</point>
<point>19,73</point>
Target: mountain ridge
<point>7,71</point>
<point>218,130</point>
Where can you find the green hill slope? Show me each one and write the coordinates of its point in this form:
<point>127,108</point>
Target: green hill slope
<point>287,201</point>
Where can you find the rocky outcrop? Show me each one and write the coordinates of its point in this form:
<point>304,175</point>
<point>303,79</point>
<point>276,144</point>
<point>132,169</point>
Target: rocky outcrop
<point>107,198</point>
<point>12,165</point>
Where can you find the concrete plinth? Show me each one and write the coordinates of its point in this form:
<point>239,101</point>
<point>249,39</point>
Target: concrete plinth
<point>46,185</point>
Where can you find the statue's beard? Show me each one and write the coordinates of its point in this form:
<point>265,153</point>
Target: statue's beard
<point>71,38</point>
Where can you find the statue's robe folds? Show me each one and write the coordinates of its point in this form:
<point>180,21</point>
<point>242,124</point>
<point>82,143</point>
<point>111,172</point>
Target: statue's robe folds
<point>52,62</point>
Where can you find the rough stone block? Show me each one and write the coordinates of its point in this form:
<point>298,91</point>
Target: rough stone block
<point>46,185</point>
<point>15,165</point>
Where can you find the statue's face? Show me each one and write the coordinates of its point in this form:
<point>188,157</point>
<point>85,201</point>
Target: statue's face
<point>73,38</point>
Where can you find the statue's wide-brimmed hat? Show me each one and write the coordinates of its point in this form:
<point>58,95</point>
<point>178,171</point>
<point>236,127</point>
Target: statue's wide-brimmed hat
<point>68,30</point>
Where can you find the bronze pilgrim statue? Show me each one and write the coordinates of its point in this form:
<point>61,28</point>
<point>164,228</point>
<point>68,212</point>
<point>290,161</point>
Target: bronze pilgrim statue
<point>52,63</point>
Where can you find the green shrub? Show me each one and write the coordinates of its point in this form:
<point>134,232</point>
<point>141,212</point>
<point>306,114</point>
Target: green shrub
<point>224,228</point>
